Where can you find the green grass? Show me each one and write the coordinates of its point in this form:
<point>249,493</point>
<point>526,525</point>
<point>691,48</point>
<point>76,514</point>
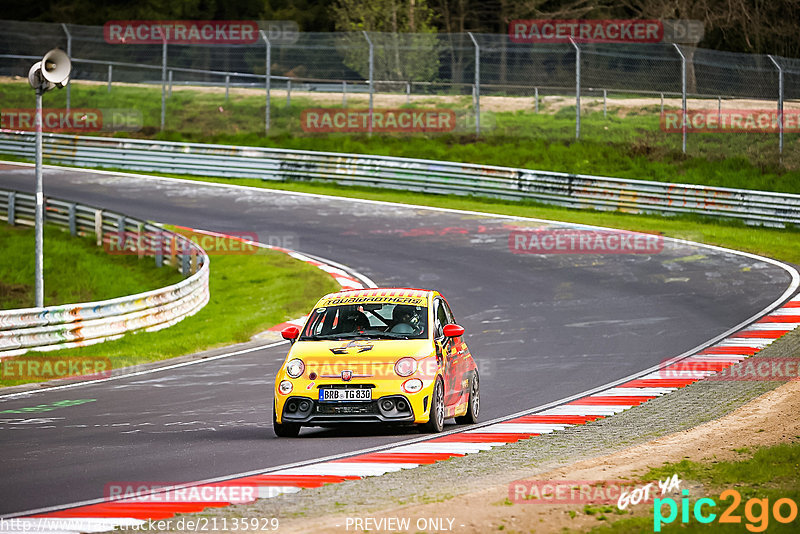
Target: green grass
<point>75,270</point>
<point>770,473</point>
<point>249,293</point>
<point>627,145</point>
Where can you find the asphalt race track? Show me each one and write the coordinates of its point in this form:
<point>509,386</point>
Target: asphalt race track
<point>543,327</point>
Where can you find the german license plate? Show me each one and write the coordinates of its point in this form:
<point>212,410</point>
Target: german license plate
<point>345,394</point>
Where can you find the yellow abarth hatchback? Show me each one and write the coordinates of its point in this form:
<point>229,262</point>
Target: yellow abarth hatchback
<point>387,355</point>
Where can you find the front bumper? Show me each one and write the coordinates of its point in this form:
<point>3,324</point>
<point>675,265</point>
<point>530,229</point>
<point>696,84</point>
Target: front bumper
<point>310,411</point>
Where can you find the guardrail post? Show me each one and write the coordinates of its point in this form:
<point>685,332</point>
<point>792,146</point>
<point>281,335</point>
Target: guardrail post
<point>185,257</point>
<point>288,93</point>
<point>163,83</point>
<point>577,88</point>
<point>121,224</point>
<point>408,93</point>
<point>69,53</point>
<point>140,240</point>
<point>344,93</point>
<point>227,86</point>
<point>780,105</point>
<point>371,78</point>
<point>662,103</point>
<point>477,84</point>
<point>12,200</point>
<point>169,82</point>
<point>98,226</point>
<point>267,80</point>
<point>73,229</point>
<point>536,100</point>
<point>158,246</point>
<point>110,72</point>
<point>605,97</point>
<point>685,120</point>
<point>195,258</point>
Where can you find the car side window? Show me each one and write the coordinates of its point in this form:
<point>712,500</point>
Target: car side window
<point>441,317</point>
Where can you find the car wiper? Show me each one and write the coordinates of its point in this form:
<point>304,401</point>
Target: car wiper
<point>389,335</point>
<point>343,335</point>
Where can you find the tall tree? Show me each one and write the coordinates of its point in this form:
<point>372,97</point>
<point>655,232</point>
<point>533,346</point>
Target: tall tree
<point>398,54</point>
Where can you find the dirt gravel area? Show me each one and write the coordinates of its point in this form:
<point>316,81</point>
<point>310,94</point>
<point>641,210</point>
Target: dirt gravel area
<point>548,103</point>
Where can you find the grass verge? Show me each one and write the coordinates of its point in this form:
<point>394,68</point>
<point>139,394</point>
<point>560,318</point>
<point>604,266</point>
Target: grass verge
<point>626,143</point>
<point>249,293</point>
<point>75,270</point>
<point>766,476</point>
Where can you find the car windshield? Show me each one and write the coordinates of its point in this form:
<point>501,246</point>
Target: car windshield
<point>381,321</point>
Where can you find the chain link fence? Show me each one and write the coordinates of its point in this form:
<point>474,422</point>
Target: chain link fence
<point>628,93</point>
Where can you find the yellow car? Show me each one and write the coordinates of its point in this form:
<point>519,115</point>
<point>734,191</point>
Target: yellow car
<point>388,355</point>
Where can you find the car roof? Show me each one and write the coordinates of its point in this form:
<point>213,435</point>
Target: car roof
<point>382,292</point>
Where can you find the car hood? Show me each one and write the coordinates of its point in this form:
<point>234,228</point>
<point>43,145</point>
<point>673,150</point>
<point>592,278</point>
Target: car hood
<point>370,357</point>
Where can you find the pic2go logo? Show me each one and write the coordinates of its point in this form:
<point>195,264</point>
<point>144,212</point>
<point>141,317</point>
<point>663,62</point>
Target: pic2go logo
<point>756,511</point>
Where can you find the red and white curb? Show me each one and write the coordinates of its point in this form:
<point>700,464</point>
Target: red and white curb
<point>732,349</point>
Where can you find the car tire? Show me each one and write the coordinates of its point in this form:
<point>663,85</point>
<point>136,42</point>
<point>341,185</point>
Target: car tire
<point>435,422</point>
<point>474,403</point>
<point>284,430</point>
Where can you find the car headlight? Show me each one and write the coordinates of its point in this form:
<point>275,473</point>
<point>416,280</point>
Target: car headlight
<point>405,366</point>
<point>285,387</point>
<point>295,368</point>
<point>413,385</point>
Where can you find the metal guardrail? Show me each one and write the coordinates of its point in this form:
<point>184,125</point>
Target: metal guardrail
<point>72,325</point>
<point>570,190</point>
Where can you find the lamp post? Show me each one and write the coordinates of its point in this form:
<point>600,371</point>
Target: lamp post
<point>51,72</point>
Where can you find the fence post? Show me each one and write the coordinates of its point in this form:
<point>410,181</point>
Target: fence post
<point>12,204</point>
<point>288,93</point>
<point>69,53</point>
<point>408,93</point>
<point>780,105</point>
<point>684,122</point>
<point>163,82</point>
<point>477,84</point>
<point>371,77</point>
<point>605,96</point>
<point>267,80</point>
<point>110,74</point>
<point>169,84</point>
<point>344,93</point>
<point>227,86</point>
<point>577,88</point>
<point>536,99</point>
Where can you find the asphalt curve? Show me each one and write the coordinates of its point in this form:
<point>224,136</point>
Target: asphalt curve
<point>542,327</point>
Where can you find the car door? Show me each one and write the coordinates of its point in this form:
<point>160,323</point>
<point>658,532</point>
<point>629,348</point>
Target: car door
<point>443,316</point>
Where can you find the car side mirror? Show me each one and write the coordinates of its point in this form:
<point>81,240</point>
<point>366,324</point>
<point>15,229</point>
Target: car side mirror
<point>290,333</point>
<point>453,330</point>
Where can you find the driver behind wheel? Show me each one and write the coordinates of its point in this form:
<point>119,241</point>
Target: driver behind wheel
<point>405,320</point>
